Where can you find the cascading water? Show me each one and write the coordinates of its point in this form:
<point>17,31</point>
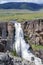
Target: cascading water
<point>22,48</point>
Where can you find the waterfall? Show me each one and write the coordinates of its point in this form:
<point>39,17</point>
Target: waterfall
<point>22,48</point>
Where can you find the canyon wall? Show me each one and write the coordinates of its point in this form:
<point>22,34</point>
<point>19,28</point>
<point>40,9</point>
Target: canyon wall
<point>33,30</point>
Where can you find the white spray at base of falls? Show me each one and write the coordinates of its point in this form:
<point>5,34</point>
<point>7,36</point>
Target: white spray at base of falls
<point>22,48</point>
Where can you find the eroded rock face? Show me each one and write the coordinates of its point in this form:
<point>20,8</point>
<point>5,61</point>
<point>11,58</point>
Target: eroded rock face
<point>33,30</point>
<point>10,36</point>
<point>6,32</point>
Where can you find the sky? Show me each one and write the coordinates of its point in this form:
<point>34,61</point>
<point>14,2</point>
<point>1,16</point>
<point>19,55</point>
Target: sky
<point>33,1</point>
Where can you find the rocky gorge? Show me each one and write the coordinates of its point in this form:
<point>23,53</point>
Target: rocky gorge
<point>33,34</point>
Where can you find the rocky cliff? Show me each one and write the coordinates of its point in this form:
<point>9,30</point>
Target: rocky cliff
<point>33,30</point>
<point>33,34</point>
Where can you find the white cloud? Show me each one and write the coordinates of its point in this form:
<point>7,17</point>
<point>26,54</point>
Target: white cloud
<point>34,1</point>
<point>2,2</point>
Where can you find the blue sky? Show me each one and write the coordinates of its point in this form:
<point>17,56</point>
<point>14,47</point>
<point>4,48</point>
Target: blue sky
<point>33,1</point>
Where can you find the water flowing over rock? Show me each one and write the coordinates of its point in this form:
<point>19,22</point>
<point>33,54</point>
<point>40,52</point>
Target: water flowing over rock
<point>22,48</point>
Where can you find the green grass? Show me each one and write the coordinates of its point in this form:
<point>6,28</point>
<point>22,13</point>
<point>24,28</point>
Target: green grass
<point>37,47</point>
<point>14,53</point>
<point>19,15</point>
<point>34,47</point>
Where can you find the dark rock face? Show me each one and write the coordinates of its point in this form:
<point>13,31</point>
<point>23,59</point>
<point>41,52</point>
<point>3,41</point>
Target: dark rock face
<point>6,35</point>
<point>41,54</point>
<point>1,48</point>
<point>3,43</point>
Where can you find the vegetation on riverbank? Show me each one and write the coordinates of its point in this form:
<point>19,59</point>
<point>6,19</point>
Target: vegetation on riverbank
<point>14,53</point>
<point>37,47</point>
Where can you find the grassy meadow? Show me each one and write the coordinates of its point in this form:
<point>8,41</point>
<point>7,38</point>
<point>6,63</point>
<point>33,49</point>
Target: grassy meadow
<point>19,15</point>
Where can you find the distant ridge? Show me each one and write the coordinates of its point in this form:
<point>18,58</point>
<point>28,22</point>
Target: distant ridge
<point>21,5</point>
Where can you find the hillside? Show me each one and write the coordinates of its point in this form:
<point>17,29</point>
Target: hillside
<point>21,5</point>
